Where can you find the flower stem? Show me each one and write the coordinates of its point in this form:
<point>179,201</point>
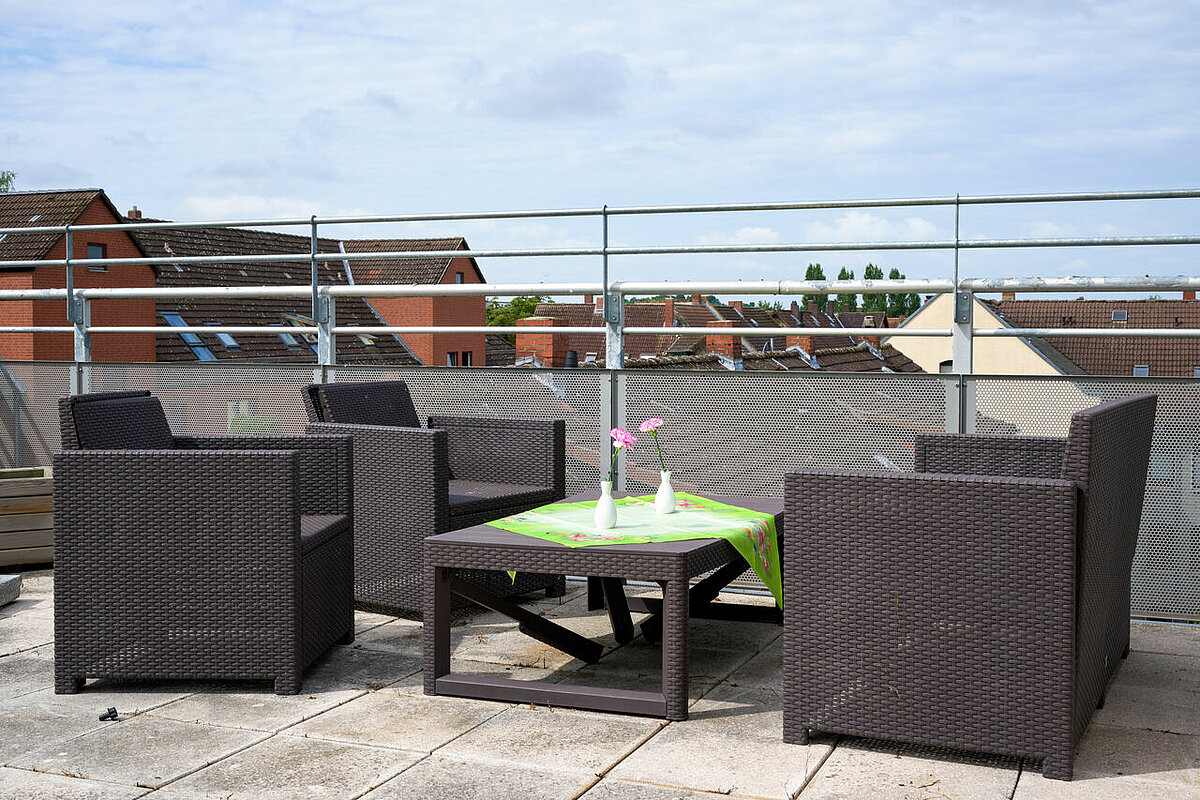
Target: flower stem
<point>658,450</point>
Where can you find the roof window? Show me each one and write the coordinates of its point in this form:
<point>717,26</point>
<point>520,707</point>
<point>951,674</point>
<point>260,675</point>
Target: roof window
<point>227,340</point>
<point>1141,370</point>
<point>291,342</point>
<point>194,342</point>
<point>1120,315</point>
<point>301,321</point>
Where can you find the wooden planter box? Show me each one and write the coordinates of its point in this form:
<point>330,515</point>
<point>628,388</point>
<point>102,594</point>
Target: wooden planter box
<point>26,516</point>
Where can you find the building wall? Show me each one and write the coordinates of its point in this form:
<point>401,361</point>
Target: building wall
<point>428,311</point>
<point>16,346</point>
<point>992,355</point>
<point>112,347</point>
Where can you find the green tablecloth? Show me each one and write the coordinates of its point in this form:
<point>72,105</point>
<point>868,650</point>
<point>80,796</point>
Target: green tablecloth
<point>752,533</point>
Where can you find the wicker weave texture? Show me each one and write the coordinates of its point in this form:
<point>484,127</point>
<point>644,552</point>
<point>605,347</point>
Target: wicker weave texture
<point>974,611</point>
<point>187,563</point>
<point>403,479</point>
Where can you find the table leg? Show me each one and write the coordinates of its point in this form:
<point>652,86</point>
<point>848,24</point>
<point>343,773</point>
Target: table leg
<point>675,648</point>
<point>618,609</point>
<point>436,635</point>
<point>595,594</point>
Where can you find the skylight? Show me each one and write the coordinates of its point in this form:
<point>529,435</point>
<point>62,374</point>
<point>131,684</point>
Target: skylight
<point>1120,316</point>
<point>227,340</point>
<point>194,342</point>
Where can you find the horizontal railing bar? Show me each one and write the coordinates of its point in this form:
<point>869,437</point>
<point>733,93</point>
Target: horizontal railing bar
<point>36,329</point>
<point>769,332</point>
<point>497,329</point>
<point>1071,283</point>
<point>469,289</point>
<point>700,249</point>
<point>945,200</point>
<point>913,286</point>
<point>1041,333</point>
<point>245,330</point>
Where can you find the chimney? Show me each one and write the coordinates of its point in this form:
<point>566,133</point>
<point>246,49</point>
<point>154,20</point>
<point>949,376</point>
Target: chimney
<point>726,345</point>
<point>599,302</point>
<point>696,299</point>
<point>805,343</point>
<point>1190,294</point>
<point>669,312</point>
<point>587,299</point>
<point>872,340</point>
<point>133,213</point>
<point>1006,296</point>
<point>812,306</point>
<point>795,309</point>
<point>547,347</point>
<point>737,306</point>
<point>832,307</point>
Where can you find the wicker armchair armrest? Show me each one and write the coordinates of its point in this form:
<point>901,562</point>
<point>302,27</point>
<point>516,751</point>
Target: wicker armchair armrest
<point>909,598</point>
<point>977,454</point>
<point>524,451</point>
<point>326,480</point>
<point>400,476</point>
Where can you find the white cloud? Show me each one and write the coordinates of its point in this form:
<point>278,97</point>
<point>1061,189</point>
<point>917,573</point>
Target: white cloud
<point>862,226</point>
<point>742,236</point>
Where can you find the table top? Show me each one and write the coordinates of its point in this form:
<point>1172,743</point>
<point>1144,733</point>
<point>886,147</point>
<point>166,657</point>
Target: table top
<point>486,535</point>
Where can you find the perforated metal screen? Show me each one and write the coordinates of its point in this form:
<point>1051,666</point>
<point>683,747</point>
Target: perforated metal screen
<point>728,432</point>
<point>1166,569</point>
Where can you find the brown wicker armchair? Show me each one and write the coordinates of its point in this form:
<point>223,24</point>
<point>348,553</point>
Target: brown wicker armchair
<point>195,557</point>
<point>411,482</point>
<point>981,602</point>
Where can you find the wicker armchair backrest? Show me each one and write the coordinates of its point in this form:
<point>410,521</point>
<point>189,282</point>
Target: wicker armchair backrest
<point>1108,446</point>
<point>365,403</point>
<point>114,421</point>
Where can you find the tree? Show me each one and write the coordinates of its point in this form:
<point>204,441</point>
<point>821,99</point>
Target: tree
<point>815,273</point>
<point>900,305</point>
<point>873,302</point>
<point>6,180</point>
<point>507,314</point>
<point>847,302</point>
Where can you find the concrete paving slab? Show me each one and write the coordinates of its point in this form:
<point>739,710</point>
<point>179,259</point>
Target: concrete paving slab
<point>395,634</point>
<point>610,789</point>
<point>20,784</point>
<point>142,751</point>
<point>891,771</point>
<point>1032,786</point>
<point>365,620</point>
<point>731,743</point>
<point>25,672</point>
<point>643,662</point>
<point>1109,752</point>
<point>20,632</point>
<point>415,684</point>
<point>10,588</point>
<point>41,606</point>
<point>287,767</point>
<point>232,707</point>
<point>357,667</point>
<point>744,637</point>
<point>1157,709</point>
<point>1176,639</point>
<point>763,671</point>
<point>553,739</point>
<point>441,777</point>
<point>390,719</point>
<point>1160,671</point>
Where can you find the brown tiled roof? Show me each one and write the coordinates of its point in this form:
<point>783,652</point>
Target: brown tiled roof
<point>401,270</point>
<point>259,311</point>
<point>41,209</point>
<point>1112,355</point>
<point>499,350</point>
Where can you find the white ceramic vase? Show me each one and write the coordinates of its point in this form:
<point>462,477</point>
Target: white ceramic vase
<point>606,510</point>
<point>664,499</point>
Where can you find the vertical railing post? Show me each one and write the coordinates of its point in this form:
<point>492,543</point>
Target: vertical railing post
<point>322,314</point>
<point>68,241</point>
<point>82,377</point>
<point>962,339</point>
<point>614,311</point>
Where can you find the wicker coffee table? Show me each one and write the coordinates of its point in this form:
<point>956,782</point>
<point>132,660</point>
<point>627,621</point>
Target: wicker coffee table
<point>670,564</point>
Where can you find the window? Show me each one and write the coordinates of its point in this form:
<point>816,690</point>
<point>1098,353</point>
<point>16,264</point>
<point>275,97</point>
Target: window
<point>458,277</point>
<point>1141,370</point>
<point>1120,316</point>
<point>95,250</point>
<point>1196,372</point>
<point>225,339</point>
<point>289,341</point>
<point>466,358</point>
<point>868,321</point>
<point>301,321</point>
<point>451,359</point>
<point>194,342</point>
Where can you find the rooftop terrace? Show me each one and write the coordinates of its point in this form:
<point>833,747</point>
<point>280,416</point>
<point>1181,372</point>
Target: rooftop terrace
<point>361,726</point>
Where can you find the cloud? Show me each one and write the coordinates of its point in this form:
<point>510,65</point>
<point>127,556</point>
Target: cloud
<point>742,236</point>
<point>589,83</point>
<point>861,226</point>
<point>248,206</point>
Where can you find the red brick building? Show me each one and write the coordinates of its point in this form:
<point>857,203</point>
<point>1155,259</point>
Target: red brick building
<point>80,207</point>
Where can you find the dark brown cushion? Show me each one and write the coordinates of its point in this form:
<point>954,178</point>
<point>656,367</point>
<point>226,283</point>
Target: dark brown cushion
<point>127,423</point>
<point>473,497</point>
<point>368,403</point>
<point>317,529</point>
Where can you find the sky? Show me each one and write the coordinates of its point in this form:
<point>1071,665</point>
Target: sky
<point>223,110</point>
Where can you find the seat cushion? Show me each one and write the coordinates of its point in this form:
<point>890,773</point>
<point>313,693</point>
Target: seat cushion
<point>474,497</point>
<point>126,423</point>
<point>317,529</point>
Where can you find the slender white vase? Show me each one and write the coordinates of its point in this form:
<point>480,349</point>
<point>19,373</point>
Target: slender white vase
<point>606,509</point>
<point>664,499</point>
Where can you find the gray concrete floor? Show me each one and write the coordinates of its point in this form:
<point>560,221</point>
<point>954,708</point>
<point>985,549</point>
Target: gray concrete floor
<point>362,728</point>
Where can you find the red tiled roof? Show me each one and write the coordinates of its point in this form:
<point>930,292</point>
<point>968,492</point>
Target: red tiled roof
<point>402,270</point>
<point>41,209</point>
<point>1112,355</point>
